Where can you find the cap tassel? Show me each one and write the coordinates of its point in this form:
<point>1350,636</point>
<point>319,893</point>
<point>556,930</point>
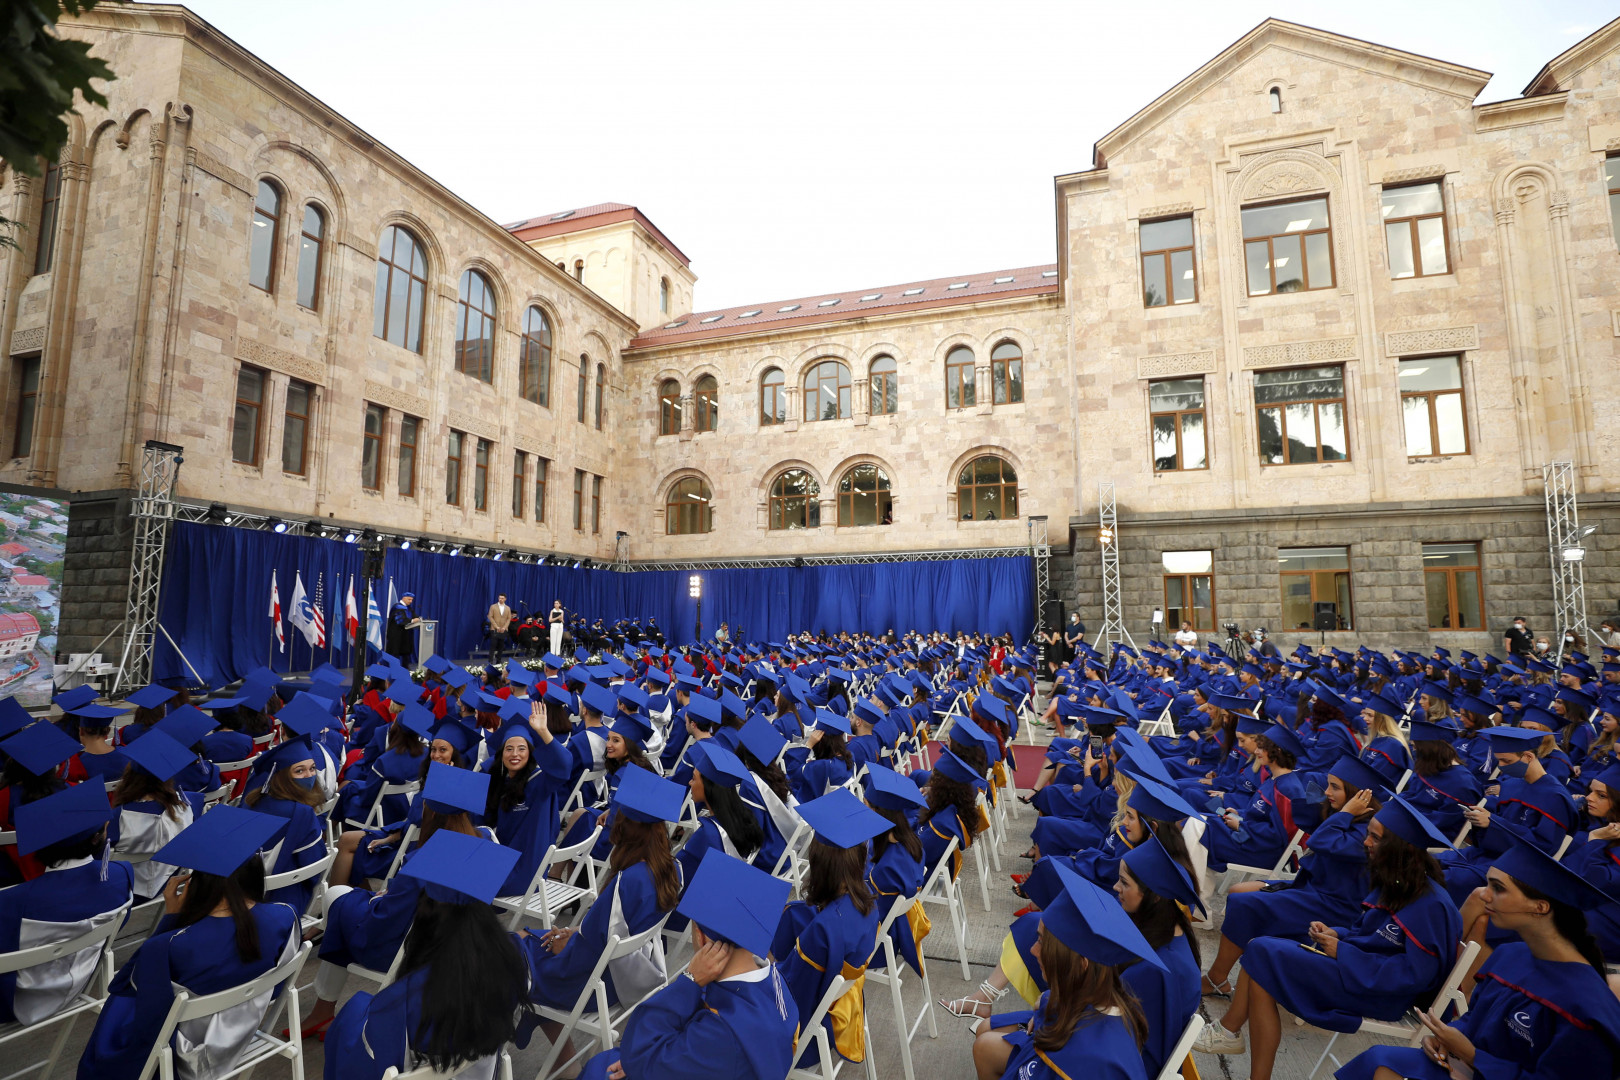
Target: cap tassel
<point>106,855</point>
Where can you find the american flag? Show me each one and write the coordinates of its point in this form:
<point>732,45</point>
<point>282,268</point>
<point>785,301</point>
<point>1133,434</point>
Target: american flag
<point>320,610</point>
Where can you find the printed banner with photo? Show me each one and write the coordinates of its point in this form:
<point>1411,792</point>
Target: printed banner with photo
<point>33,535</point>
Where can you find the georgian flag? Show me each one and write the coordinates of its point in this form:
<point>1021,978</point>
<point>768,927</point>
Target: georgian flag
<point>275,613</point>
<point>302,613</point>
<point>351,613</point>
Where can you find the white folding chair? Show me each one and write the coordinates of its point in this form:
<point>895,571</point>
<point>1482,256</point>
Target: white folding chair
<point>829,1062</point>
<point>405,842</point>
<point>1183,1047</point>
<point>375,813</point>
<point>941,888</point>
<point>263,1044</point>
<point>545,896</point>
<point>1409,1027</point>
<point>427,1072</point>
<point>576,797</point>
<point>598,1025</point>
<point>220,794</point>
<point>792,857</point>
<point>381,978</point>
<point>1400,785</point>
<point>1161,725</point>
<point>985,839</point>
<point>90,999</point>
<point>891,975</point>
<point>317,870</point>
<point>235,766</point>
<point>1236,872</point>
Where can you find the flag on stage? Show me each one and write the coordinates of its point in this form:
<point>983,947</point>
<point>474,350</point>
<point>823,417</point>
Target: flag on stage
<point>374,631</point>
<point>275,612</point>
<point>320,609</point>
<point>302,613</point>
<point>351,614</point>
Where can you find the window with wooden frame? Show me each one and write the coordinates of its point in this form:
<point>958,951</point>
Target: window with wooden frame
<point>669,407</point>
<point>1300,413</point>
<point>884,382</point>
<point>295,428</point>
<point>371,447</point>
<point>772,398</point>
<point>1313,579</point>
<point>959,377</point>
<point>1177,415</point>
<point>250,382</point>
<point>311,252</point>
<point>481,454</point>
<point>579,499</point>
<point>864,497</point>
<point>49,204</point>
<point>22,440</point>
<point>534,358</point>
<point>266,231</point>
<point>795,501</point>
<point>1288,246</point>
<point>520,482</point>
<point>452,468</point>
<point>1189,589</point>
<point>1453,587</point>
<point>1415,230</point>
<point>410,428</point>
<point>596,504</point>
<point>826,391</point>
<point>1611,180</point>
<point>706,402</point>
<point>475,327</point>
<point>987,490</point>
<point>584,384</point>
<point>601,382</point>
<point>542,472</point>
<point>400,300</point>
<point>1432,406</point>
<point>1168,272</point>
<point>1007,374</point>
<point>688,508</point>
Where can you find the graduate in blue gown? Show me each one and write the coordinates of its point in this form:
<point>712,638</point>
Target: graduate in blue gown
<point>725,821</point>
<point>1257,834</point>
<point>830,763</point>
<point>951,813</point>
<point>1386,749</point>
<point>460,985</point>
<point>1397,952</point>
<point>216,933</point>
<point>1153,886</point>
<point>730,1014</point>
<point>100,760</point>
<point>1597,860</point>
<point>33,756</point>
<point>151,812</point>
<point>1441,786</point>
<point>896,864</point>
<point>1082,927</point>
<point>293,793</point>
<point>1540,1008</point>
<point>529,783</point>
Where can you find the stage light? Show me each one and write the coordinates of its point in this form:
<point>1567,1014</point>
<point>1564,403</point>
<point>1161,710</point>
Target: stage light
<point>498,556</point>
<point>217,514</point>
<point>455,551</point>
<point>512,553</point>
<point>368,535</point>
<point>350,537</point>
<point>314,528</point>
<point>694,586</point>
<point>578,563</point>
<point>277,525</point>
<point>798,560</point>
<point>404,544</point>
<point>1105,536</point>
<point>589,563</point>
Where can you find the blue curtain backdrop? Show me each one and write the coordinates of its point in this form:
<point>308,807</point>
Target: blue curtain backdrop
<point>216,597</point>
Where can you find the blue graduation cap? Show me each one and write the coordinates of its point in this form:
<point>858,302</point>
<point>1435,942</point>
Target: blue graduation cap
<point>148,697</point>
<point>457,677</point>
<point>13,717</point>
<point>632,729</point>
<point>1152,865</point>
<point>403,691</point>
<point>992,707</point>
<point>68,700</point>
<point>1160,802</point>
<point>222,703</point>
<point>732,705</point>
<point>840,819</point>
<point>954,768</point>
<point>889,790</point>
<point>796,689</point>
<point>77,811</point>
<point>1090,922</point>
<point>1504,739</point>
<point>1285,738</point>
<point>657,675</point>
<point>419,719</point>
<point>305,714</point>
<point>600,698</point>
<point>827,720</point>
<point>449,790</point>
<point>158,754</point>
<point>1432,731</point>
<point>645,796</point>
<point>516,710</point>
<point>285,756</point>
<point>1352,770</point>
<point>221,840</point>
<point>1378,703</point>
<point>518,675</point>
<point>717,763</point>
<point>186,725</point>
<point>732,900</point>
<point>1529,865</point>
<point>1401,818</point>
<point>328,675</point>
<point>762,740</point>
<point>96,716</point>
<point>633,696</point>
<point>457,734</point>
<point>379,671</point>
<point>558,694</point>
<point>703,709</point>
<point>455,868</point>
<point>256,695</point>
<point>40,748</point>
<point>436,664</point>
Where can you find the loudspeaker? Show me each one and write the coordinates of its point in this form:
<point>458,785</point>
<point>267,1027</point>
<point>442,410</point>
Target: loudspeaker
<point>1052,614</point>
<point>1327,616</point>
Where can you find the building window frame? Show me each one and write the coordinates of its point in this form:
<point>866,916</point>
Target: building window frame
<point>584,385</point>
<point>794,502</point>
<point>1414,230</point>
<point>579,500</point>
<point>706,403</point>
<point>1169,253</point>
<point>454,458</point>
<point>663,296</point>
<point>520,482</point>
<point>248,421</point>
<point>406,281</point>
<point>883,384</point>
<point>1429,403</point>
<point>50,205</point>
<point>689,507</point>
<point>1268,240</point>
<point>1176,422</point>
<point>1454,580</point>
<point>1326,583</point>
<point>1184,573</point>
<point>474,344</point>
<point>483,449</point>
<point>827,372</point>
<point>865,480</point>
<point>773,397</point>
<point>264,241</point>
<point>601,381</point>
<point>410,435</point>
<point>1611,180</point>
<point>373,444</point>
<point>976,485</point>
<point>295,427</point>
<point>959,376</point>
<point>534,357</point>
<point>28,372</point>
<point>311,257</point>
<point>1317,405</point>
<point>1007,374</point>
<point>596,505</point>
<point>669,407</point>
<point>542,474</point>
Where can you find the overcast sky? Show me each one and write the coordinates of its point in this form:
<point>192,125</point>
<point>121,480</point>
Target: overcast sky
<point>798,148</point>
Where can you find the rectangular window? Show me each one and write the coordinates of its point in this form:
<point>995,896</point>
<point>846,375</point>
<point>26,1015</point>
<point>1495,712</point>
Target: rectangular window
<point>1611,180</point>
<point>579,499</point>
<point>295,428</point>
<point>1415,230</point>
<point>1288,247</point>
<point>1167,262</point>
<point>371,449</point>
<point>310,243</point>
<point>596,504</point>
<point>409,428</point>
<point>1315,580</point>
<point>542,468</point>
<point>520,482</point>
<point>1452,582</point>
<point>48,207</point>
<point>249,404</point>
<point>1301,415</point>
<point>601,373</point>
<point>584,386</point>
<point>1189,589</point>
<point>481,475</point>
<point>452,469</point>
<point>1177,407</point>
<point>1432,406</point>
<point>22,442</point>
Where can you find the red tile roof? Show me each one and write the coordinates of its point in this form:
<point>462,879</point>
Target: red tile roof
<point>13,549</point>
<point>16,626</point>
<point>31,581</point>
<point>831,307</point>
<point>588,217</point>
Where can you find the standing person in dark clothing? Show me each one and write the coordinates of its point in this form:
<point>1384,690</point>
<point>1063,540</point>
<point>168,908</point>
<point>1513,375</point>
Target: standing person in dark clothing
<point>399,627</point>
<point>1518,638</point>
<point>1075,636</point>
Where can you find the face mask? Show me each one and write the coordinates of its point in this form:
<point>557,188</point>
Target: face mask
<point>308,782</point>
<point>1542,646</point>
<point>1516,770</point>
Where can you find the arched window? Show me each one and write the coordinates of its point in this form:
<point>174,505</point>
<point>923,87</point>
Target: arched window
<point>959,377</point>
<point>885,384</point>
<point>534,357</point>
<point>826,391</point>
<point>863,497</point>
<point>401,297</point>
<point>601,378</point>
<point>706,396</point>
<point>987,490</point>
<point>669,407</point>
<point>579,269</point>
<point>1007,373</point>
<point>688,508</point>
<point>1274,95</point>
<point>795,501</point>
<point>475,327</point>
<point>50,200</point>
<point>266,231</point>
<point>772,398</point>
<point>663,295</point>
<point>311,243</point>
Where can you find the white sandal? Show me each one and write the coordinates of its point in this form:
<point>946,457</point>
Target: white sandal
<point>967,1008</point>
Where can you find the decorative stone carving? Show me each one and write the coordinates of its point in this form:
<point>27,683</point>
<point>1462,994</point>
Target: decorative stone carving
<point>475,425</point>
<point>1420,172</point>
<point>1193,363</point>
<point>534,446</point>
<point>216,168</point>
<point>1300,352</point>
<point>1612,144</point>
<point>27,341</point>
<point>397,399</point>
<point>1166,211</point>
<point>1282,183</point>
<point>1448,339</point>
<point>299,367</point>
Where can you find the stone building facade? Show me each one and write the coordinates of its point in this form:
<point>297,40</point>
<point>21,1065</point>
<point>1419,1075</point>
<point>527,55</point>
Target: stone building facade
<point>1319,317</point>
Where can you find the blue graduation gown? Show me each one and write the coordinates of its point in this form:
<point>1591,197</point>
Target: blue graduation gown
<point>1100,864</point>
<point>896,874</point>
<point>1598,861</point>
<point>1442,797</point>
<point>1332,880</point>
<point>69,895</point>
<point>556,979</point>
<point>1386,961</point>
<point>1542,813</point>
<point>531,827</point>
<point>1325,745</point>
<point>1268,821</point>
<point>1528,1020</point>
<point>1168,998</point>
<point>812,948</point>
<point>1388,757</point>
<point>368,928</point>
<point>227,745</point>
<point>372,1033</point>
<point>101,768</point>
<point>936,836</point>
<point>817,777</point>
<point>741,1028</point>
<point>202,958</point>
<point>1474,751</point>
<point>303,843</point>
<point>1101,1048</point>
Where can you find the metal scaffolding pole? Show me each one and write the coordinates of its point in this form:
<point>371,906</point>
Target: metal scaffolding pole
<point>1040,553</point>
<point>153,509</point>
<point>1564,550</point>
<point>1113,628</point>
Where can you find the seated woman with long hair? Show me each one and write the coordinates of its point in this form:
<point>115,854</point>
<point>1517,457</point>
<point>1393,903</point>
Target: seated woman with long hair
<point>1596,860</point>
<point>1441,787</point>
<point>1386,749</point>
<point>1148,808</point>
<point>1397,952</point>
<point>152,703</point>
<point>626,739</point>
<point>364,854</point>
<point>1154,887</point>
<point>529,781</point>
<point>216,932</point>
<point>951,813</point>
<point>896,864</point>
<point>725,820</point>
<point>400,762</point>
<point>1257,835</point>
<point>1540,1009</point>
<point>99,760</point>
<point>151,811</point>
<point>32,757</point>
<point>461,983</point>
<point>830,762</point>
<point>293,793</point>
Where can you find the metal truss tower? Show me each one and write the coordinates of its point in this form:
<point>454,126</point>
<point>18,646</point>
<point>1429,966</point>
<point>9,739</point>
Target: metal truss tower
<point>1564,550</point>
<point>1113,628</point>
<point>1040,553</point>
<point>153,509</point>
